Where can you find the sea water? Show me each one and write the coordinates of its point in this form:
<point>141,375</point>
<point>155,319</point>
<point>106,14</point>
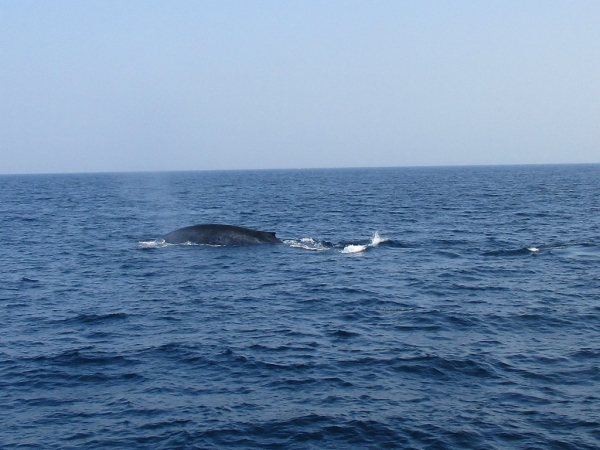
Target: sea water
<point>434,308</point>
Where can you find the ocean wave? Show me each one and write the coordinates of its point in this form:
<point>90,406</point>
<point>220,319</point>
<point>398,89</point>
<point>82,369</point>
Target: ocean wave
<point>524,251</point>
<point>582,251</point>
<point>91,319</point>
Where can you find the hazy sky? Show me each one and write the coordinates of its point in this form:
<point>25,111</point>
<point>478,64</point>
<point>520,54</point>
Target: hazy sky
<point>94,86</point>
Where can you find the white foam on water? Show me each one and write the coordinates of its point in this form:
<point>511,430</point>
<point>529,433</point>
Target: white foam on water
<point>306,244</point>
<point>159,243</point>
<point>533,249</point>
<point>354,248</point>
<point>154,243</point>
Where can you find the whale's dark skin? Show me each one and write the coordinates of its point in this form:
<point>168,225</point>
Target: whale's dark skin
<point>216,234</point>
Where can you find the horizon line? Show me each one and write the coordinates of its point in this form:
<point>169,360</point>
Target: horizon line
<point>423,166</point>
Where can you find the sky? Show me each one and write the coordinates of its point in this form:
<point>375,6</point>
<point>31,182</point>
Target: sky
<point>111,86</point>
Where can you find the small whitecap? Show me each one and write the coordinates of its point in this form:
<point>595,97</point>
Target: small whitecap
<point>533,249</point>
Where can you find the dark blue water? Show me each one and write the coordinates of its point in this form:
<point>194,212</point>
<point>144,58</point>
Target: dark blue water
<point>473,321</point>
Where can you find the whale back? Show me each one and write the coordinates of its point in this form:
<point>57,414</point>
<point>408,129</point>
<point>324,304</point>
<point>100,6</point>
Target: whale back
<point>217,234</point>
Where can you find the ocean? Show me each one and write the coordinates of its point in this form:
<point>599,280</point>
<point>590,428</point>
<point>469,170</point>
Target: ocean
<point>411,308</point>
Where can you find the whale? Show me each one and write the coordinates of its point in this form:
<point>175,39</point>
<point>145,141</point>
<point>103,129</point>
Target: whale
<point>218,234</point>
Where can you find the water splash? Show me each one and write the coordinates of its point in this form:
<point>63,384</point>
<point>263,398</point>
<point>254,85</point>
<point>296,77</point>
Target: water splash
<point>376,239</point>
